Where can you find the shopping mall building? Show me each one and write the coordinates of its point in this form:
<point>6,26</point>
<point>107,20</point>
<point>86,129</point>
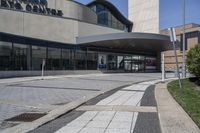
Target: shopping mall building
<point>72,36</point>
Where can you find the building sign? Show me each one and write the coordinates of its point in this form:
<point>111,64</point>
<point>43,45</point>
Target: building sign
<point>35,6</point>
<point>102,61</point>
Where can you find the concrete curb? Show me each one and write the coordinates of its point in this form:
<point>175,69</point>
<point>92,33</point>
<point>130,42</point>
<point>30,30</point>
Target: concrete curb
<point>173,119</point>
<point>26,79</point>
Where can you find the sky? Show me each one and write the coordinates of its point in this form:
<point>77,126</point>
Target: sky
<point>171,11</point>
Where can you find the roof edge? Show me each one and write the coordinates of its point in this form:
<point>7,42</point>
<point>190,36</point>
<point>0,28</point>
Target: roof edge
<point>121,36</point>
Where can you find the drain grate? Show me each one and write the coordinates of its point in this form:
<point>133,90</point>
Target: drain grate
<point>26,117</point>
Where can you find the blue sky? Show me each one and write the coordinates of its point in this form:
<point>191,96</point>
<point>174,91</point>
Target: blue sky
<point>171,13</point>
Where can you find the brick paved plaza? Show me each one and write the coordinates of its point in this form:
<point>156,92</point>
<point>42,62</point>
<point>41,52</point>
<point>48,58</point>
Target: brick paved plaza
<point>45,95</point>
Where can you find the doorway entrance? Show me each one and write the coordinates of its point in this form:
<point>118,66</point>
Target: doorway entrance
<point>134,63</point>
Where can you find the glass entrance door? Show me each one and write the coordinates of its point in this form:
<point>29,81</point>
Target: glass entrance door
<point>134,64</point>
<point>128,63</point>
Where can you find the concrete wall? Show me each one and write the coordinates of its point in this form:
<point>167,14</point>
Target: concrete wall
<point>52,28</point>
<point>70,9</point>
<point>74,10</point>
<point>86,29</point>
<point>38,26</point>
<point>145,15</point>
<point>11,22</point>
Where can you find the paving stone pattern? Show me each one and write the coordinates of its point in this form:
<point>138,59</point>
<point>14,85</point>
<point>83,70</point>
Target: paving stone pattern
<point>112,121</point>
<point>46,95</point>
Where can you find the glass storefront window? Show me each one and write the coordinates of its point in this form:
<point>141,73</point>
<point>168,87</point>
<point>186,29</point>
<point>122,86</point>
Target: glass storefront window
<point>15,56</point>
<point>120,62</point>
<point>80,60</point>
<point>102,61</point>
<point>54,59</point>
<point>38,54</point>
<point>92,61</point>
<point>141,63</point>
<point>20,56</point>
<point>112,62</point>
<point>127,63</point>
<point>67,63</point>
<point>134,63</point>
<point>5,55</point>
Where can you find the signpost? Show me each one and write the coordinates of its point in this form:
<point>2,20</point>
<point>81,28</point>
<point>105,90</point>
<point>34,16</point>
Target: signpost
<point>173,40</point>
<point>184,52</point>
<point>163,67</point>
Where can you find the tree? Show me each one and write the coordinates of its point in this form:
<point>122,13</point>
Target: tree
<point>193,60</point>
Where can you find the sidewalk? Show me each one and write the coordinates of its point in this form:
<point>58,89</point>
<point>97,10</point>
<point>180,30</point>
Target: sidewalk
<point>125,111</point>
<point>117,113</point>
<point>59,96</point>
<point>173,118</point>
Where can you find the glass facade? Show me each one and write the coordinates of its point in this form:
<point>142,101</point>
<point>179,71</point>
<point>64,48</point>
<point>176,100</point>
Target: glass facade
<point>54,59</point>
<point>16,56</point>
<point>105,17</point>
<point>80,59</point>
<point>128,63</point>
<point>13,56</point>
<point>67,59</point>
<point>112,62</point>
<point>22,54</point>
<point>6,55</point>
<point>92,58</point>
<point>38,54</point>
<point>120,62</point>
